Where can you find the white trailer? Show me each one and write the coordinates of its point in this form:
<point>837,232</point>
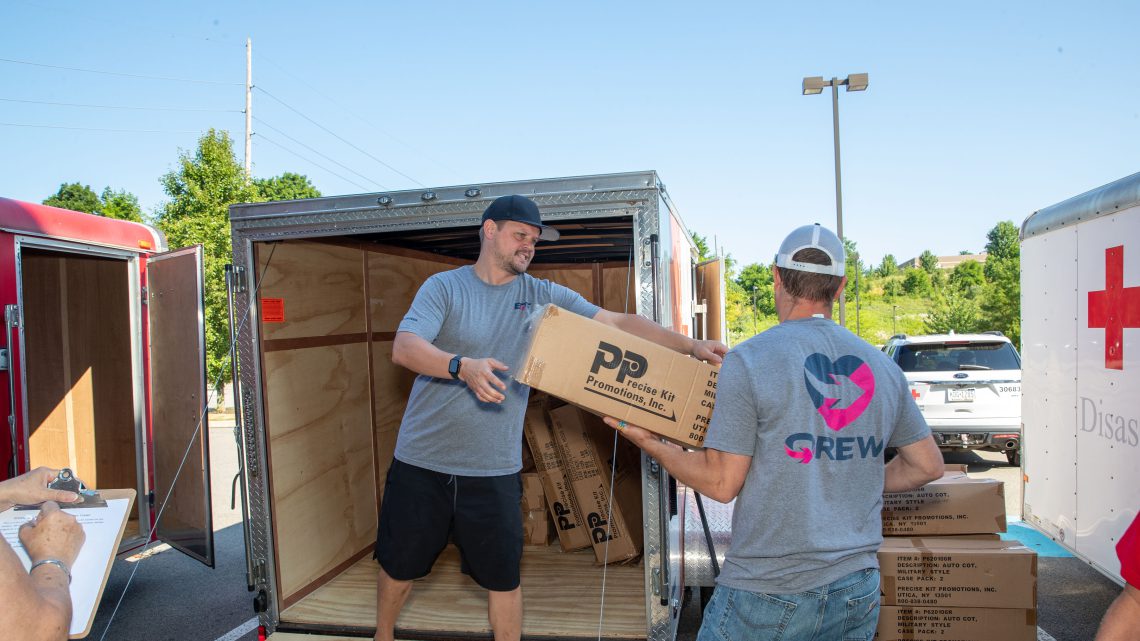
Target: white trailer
<point>1080,311</point>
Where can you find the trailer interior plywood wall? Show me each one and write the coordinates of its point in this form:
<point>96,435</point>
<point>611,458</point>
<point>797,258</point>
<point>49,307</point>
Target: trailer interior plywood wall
<point>318,410</point>
<point>78,362</point>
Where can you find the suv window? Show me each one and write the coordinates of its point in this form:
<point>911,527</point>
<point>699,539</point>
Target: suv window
<point>954,356</point>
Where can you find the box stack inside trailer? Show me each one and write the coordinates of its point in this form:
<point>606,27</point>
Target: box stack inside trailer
<point>946,573</point>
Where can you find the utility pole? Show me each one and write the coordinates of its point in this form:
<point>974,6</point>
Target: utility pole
<point>248,108</point>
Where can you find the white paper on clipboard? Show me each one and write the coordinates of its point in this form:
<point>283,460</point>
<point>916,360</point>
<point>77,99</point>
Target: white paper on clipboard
<point>103,527</point>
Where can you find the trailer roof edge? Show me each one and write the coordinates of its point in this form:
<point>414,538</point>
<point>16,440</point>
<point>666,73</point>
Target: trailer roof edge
<point>1102,201</point>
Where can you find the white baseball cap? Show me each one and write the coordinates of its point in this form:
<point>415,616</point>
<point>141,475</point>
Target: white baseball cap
<point>813,237</point>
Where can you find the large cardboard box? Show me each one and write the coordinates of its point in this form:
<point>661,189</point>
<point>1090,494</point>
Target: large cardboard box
<point>536,524</point>
<point>586,446</point>
<point>901,623</point>
<point>568,521</point>
<point>954,504</point>
<point>613,373</point>
<point>949,572</point>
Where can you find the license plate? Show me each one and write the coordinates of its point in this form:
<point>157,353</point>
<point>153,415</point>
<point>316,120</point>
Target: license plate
<point>960,395</point>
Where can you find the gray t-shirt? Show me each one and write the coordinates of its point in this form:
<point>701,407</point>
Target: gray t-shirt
<point>445,427</point>
<point>814,406</point>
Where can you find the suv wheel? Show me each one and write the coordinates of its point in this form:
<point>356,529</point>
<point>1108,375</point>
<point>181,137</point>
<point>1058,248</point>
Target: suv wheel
<point>1014,457</point>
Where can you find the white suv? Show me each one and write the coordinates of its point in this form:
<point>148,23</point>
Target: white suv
<point>968,387</point>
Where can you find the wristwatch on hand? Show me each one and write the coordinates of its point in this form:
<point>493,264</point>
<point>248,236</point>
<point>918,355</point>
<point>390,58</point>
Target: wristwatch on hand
<point>454,365</point>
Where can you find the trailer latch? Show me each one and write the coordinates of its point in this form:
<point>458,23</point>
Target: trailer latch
<point>3,360</point>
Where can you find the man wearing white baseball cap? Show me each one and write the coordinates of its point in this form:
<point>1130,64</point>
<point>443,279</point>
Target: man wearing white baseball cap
<point>803,414</point>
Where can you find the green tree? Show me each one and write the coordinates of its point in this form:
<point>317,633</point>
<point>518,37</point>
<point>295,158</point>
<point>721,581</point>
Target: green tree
<point>702,244</point>
<point>888,266</point>
<point>121,204</point>
<point>75,197</point>
<point>287,186</point>
<point>755,281</point>
<point>201,189</point>
<point>1002,245</point>
<point>928,261</point>
<point>953,312</point>
<point>967,277</point>
<point>916,282</point>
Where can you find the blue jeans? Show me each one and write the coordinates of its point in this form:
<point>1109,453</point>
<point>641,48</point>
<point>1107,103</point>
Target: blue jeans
<point>847,609</point>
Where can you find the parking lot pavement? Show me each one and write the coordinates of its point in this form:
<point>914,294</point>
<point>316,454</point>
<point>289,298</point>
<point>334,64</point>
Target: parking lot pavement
<point>172,597</point>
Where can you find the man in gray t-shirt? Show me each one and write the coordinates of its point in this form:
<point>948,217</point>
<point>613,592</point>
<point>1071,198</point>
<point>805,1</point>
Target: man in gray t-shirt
<point>455,473</point>
<point>803,414</point>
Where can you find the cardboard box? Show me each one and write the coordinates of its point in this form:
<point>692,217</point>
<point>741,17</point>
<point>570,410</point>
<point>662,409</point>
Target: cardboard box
<point>613,373</point>
<point>536,524</point>
<point>586,445</point>
<point>954,504</point>
<point>949,572</point>
<point>955,624</point>
<point>568,522</point>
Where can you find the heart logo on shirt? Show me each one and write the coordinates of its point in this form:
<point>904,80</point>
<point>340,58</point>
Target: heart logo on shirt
<point>828,382</point>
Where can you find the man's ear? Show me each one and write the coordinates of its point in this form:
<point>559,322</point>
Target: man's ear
<point>490,227</point>
<point>842,286</point>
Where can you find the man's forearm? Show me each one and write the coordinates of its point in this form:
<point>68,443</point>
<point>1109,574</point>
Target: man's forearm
<point>420,356</point>
<point>689,467</point>
<point>647,329</point>
<point>903,477</point>
<point>54,619</point>
<point>1122,618</point>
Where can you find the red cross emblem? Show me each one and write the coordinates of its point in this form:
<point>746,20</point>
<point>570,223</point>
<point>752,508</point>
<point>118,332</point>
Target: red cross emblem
<point>1114,308</point>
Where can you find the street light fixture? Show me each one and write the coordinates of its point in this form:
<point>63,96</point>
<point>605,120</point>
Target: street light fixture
<point>813,85</point>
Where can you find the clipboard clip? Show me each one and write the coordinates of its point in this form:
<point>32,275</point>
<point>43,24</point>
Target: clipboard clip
<point>67,481</point>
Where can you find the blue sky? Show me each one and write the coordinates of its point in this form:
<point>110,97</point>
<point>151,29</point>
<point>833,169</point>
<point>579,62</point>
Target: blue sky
<point>976,112</point>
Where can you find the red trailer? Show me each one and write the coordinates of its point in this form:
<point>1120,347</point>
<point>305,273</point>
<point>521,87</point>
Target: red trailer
<point>103,361</point>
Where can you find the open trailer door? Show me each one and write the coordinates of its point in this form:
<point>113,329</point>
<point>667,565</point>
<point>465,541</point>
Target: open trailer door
<point>178,402</point>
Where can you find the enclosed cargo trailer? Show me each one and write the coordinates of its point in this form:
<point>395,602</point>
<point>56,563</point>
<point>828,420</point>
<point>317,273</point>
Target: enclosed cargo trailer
<point>1080,310</point>
<point>325,283</point>
<point>104,361</point>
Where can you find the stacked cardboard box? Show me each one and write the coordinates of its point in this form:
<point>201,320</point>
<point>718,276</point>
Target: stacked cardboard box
<point>954,504</point>
<point>536,523</point>
<point>586,446</point>
<point>568,522</point>
<point>614,373</point>
<point>954,579</point>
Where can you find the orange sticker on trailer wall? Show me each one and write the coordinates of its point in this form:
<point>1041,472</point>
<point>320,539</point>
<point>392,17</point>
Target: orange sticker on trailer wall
<point>273,310</point>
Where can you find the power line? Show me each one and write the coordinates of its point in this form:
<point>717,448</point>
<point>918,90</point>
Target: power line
<point>377,183</point>
<point>130,131</point>
<point>123,75</point>
<point>315,164</point>
<point>349,111</point>
<point>333,134</point>
<point>75,104</point>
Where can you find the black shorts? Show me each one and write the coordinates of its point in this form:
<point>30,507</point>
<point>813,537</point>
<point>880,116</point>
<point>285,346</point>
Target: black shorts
<point>422,510</point>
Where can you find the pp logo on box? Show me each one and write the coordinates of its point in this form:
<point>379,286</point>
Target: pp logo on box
<point>628,364</point>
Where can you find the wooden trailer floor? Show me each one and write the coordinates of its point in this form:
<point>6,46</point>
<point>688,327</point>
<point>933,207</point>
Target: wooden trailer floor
<point>561,598</point>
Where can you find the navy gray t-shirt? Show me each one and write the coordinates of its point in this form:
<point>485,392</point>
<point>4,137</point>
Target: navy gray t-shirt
<point>814,406</point>
<point>445,427</point>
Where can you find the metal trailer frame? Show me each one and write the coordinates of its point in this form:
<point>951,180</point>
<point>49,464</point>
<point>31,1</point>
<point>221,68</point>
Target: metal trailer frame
<point>637,194</point>
<point>1081,435</point>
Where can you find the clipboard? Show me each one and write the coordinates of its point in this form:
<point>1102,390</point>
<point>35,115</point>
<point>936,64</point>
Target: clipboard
<point>103,527</point>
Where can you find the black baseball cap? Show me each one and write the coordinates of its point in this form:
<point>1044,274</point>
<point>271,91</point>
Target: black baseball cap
<point>519,209</point>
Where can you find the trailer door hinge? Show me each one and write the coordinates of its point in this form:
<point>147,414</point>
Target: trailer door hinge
<point>239,279</point>
<point>145,295</point>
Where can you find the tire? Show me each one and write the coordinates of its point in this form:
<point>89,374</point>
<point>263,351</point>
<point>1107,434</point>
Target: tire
<point>1014,457</point>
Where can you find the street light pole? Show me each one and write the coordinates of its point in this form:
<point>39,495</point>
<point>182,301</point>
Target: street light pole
<point>814,85</point>
<point>755,312</point>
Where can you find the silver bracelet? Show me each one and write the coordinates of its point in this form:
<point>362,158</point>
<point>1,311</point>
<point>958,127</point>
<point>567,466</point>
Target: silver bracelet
<point>56,562</point>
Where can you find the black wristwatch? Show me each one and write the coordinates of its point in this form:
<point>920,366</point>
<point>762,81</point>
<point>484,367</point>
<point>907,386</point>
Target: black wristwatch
<point>454,365</point>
